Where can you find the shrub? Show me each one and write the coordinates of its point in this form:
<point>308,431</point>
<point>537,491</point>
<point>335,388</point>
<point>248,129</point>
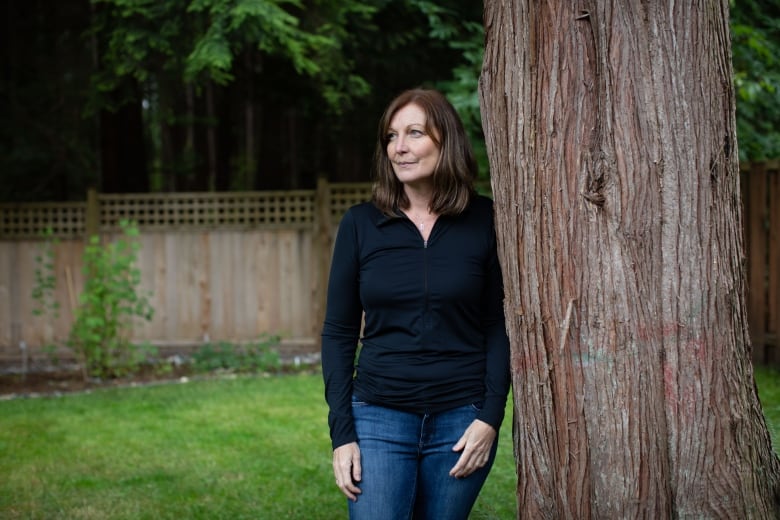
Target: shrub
<point>107,307</point>
<point>43,291</point>
<point>259,356</point>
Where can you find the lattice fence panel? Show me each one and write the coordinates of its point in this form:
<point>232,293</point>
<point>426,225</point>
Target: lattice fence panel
<point>33,220</point>
<point>235,210</point>
<point>345,195</point>
<point>179,211</point>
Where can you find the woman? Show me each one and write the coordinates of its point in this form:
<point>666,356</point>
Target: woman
<point>414,423</point>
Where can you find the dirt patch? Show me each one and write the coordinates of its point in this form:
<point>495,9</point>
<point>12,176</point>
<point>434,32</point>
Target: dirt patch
<point>54,382</point>
<point>14,384</point>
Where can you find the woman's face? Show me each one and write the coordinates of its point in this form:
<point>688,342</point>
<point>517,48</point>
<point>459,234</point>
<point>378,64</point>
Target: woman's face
<point>413,153</point>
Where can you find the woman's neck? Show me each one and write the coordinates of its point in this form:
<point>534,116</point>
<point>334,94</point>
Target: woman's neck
<point>419,211</point>
<point>419,201</point>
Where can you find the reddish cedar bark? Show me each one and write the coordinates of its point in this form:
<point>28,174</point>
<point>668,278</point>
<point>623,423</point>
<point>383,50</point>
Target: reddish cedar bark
<point>612,141</point>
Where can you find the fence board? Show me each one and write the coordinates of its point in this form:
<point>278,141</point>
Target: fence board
<point>8,294</point>
<point>234,266</point>
<point>222,267</point>
<point>762,225</point>
<point>755,218</point>
<point>773,296</point>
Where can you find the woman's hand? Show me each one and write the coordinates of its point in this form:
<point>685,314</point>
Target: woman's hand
<point>346,467</point>
<point>475,445</point>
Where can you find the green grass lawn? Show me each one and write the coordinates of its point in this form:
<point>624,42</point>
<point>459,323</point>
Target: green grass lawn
<point>247,447</point>
<point>768,382</point>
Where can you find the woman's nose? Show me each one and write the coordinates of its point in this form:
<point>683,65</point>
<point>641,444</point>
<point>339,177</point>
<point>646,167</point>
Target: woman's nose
<point>400,144</point>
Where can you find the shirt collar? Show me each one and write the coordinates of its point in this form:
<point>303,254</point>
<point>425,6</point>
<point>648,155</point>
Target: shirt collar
<point>381,219</point>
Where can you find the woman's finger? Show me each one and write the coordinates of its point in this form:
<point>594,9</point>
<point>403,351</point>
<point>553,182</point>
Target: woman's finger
<point>347,469</point>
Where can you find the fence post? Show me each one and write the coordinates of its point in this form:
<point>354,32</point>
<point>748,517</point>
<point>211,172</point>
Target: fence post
<point>92,216</point>
<point>322,246</point>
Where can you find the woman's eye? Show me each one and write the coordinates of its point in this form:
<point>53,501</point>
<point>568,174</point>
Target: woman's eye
<point>390,136</point>
<point>416,133</point>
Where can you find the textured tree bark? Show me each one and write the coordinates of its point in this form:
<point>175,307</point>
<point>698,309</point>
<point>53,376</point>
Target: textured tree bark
<point>612,142</point>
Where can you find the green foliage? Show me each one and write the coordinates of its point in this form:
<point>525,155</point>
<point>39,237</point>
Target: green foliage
<point>45,279</point>
<point>755,31</point>
<point>199,40</point>
<point>260,356</point>
<point>467,37</point>
<point>305,78</point>
<point>463,89</point>
<point>45,303</point>
<point>449,32</point>
<point>338,80</point>
<point>265,24</point>
<point>235,72</point>
<point>108,305</point>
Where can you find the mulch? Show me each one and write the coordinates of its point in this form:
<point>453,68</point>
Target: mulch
<point>53,381</point>
<point>57,382</point>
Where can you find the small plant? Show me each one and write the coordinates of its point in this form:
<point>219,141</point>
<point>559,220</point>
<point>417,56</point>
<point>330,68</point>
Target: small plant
<point>107,307</point>
<point>261,357</point>
<point>43,292</point>
<point>254,357</point>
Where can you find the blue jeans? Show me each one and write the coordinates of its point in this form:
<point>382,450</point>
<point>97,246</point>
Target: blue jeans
<point>406,459</point>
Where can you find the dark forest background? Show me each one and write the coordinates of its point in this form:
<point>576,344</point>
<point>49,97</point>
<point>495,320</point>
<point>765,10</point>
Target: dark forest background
<point>134,96</point>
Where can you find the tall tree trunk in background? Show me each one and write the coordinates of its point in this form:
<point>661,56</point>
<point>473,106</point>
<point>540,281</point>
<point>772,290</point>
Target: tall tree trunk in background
<point>211,139</point>
<point>171,134</point>
<point>226,145</point>
<point>294,164</point>
<point>123,148</point>
<point>189,157</point>
<point>250,137</point>
<point>95,55</point>
<point>612,141</point>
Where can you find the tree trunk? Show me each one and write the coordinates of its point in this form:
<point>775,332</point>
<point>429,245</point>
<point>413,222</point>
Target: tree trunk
<point>122,148</point>
<point>211,139</point>
<point>612,141</point>
<point>250,129</point>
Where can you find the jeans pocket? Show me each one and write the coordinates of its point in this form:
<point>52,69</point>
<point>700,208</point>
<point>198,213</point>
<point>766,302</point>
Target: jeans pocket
<point>477,406</point>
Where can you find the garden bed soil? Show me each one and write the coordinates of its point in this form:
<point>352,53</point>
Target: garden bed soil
<point>69,379</point>
<point>52,382</point>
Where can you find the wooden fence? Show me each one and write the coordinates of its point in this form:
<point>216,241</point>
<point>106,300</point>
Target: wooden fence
<point>234,266</point>
<point>761,202</point>
<point>218,266</point>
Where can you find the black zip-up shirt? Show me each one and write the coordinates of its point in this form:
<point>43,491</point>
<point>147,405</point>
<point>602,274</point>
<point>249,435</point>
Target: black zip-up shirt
<point>434,335</point>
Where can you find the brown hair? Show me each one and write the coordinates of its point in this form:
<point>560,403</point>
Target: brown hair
<point>454,175</point>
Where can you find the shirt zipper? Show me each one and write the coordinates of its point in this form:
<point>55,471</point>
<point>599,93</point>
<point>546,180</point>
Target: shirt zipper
<point>425,278</point>
<point>425,265</point>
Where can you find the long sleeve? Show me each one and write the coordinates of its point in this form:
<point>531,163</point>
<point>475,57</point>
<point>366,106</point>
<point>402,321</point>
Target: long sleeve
<point>497,376</point>
<point>341,332</point>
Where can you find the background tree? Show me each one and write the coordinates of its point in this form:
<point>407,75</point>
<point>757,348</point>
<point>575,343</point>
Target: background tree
<point>228,95</point>
<point>755,29</point>
<point>213,94</point>
<point>184,53</point>
<point>611,133</point>
<point>46,145</point>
